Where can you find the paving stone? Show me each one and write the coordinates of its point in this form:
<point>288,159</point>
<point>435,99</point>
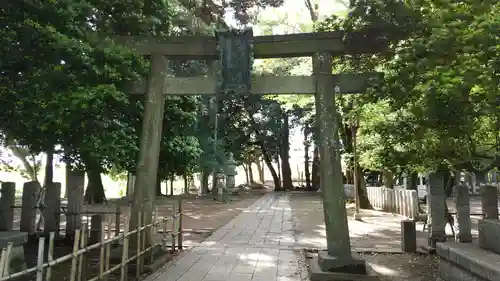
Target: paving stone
<point>249,248</point>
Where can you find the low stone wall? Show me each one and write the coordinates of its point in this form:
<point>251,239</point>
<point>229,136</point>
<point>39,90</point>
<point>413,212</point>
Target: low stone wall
<point>489,234</point>
<point>466,261</point>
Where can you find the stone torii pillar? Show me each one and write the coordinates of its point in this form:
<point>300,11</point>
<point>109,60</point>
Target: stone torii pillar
<point>338,257</point>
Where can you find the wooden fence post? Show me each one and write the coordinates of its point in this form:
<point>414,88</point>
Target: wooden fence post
<point>102,250</point>
<point>75,255</point>
<point>81,259</point>
<point>123,272</point>
<point>39,260</point>
<point>138,246</point>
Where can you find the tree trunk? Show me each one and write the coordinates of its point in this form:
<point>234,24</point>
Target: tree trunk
<point>172,187</point>
<point>247,176</point>
<point>315,169</point>
<point>364,202</point>
<point>49,167</point>
<point>274,174</point>
<point>285,154</point>
<point>413,181</point>
<point>413,185</point>
<point>94,194</point>
<point>260,170</point>
<point>204,181</point>
<point>250,173</point>
<point>278,167</point>
<point>23,154</point>
<point>307,159</point>
<point>158,186</point>
<point>349,176</point>
<point>186,185</point>
<point>388,178</point>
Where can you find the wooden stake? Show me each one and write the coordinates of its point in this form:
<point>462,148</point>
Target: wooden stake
<point>6,266</point>
<point>108,250</point>
<point>138,247</point>
<point>39,260</point>
<point>153,231</point>
<point>101,256</point>
<point>3,260</point>
<point>80,258</point>
<point>50,256</point>
<point>75,256</point>
<point>144,236</point>
<point>123,273</point>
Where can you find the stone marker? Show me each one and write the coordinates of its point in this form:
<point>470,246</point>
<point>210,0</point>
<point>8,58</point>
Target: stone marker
<point>75,183</point>
<point>52,208</point>
<point>408,236</point>
<point>462,204</point>
<point>489,201</point>
<point>7,201</point>
<point>436,209</point>
<point>31,191</point>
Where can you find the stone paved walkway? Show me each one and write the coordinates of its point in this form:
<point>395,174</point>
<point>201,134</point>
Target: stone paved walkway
<point>257,245</point>
<point>264,242</point>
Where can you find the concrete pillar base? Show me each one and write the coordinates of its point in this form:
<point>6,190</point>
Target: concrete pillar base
<point>328,268</point>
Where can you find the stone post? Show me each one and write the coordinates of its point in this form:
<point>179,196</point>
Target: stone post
<point>75,184</point>
<point>52,208</point>
<point>408,236</point>
<point>462,204</point>
<point>489,201</point>
<point>230,171</point>
<point>31,191</point>
<point>7,202</point>
<point>435,204</point>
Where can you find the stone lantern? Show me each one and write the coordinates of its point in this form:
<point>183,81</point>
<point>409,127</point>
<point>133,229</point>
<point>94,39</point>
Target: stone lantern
<point>230,171</point>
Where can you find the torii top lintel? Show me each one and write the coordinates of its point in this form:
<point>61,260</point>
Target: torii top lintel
<point>271,46</point>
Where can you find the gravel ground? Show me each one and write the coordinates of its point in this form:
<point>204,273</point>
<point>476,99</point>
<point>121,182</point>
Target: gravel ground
<point>397,266</point>
<point>411,267</point>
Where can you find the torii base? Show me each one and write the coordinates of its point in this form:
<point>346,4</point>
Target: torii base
<point>328,268</point>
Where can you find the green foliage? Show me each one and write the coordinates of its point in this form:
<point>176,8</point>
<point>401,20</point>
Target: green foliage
<point>438,104</point>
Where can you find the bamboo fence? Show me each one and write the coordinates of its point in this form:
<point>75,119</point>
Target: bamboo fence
<point>78,255</point>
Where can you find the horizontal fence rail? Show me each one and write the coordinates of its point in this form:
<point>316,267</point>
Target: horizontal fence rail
<point>398,201</point>
<point>169,226</point>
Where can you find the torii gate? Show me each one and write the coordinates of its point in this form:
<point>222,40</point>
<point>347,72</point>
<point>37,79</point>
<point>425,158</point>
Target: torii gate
<point>322,84</point>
